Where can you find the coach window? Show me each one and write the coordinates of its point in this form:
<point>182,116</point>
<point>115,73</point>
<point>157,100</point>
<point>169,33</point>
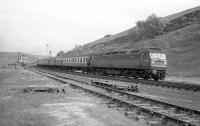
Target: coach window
<point>84,59</point>
<point>80,59</point>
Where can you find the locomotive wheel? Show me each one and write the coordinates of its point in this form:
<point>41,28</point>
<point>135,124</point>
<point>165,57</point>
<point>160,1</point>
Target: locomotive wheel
<point>146,78</point>
<point>156,78</point>
<point>136,76</point>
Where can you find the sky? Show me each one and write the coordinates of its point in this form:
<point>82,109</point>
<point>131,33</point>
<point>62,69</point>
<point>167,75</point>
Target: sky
<point>29,25</point>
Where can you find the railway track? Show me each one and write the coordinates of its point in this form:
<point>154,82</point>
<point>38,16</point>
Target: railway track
<point>166,84</point>
<point>133,103</point>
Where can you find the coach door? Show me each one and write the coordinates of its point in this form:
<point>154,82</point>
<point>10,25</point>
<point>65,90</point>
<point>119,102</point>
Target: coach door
<point>144,60</point>
<point>141,59</point>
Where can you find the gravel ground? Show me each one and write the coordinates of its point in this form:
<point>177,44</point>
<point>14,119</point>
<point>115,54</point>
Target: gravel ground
<point>183,98</point>
<point>193,80</point>
<point>74,108</point>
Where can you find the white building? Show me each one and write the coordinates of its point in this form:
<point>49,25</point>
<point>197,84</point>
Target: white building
<point>22,58</point>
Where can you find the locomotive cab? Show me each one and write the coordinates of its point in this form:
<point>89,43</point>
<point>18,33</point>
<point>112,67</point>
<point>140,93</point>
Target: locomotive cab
<point>159,65</point>
<point>154,61</point>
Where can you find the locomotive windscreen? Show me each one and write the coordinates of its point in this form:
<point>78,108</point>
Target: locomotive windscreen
<point>158,59</point>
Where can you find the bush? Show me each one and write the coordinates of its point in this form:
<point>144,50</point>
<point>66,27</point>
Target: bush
<point>151,27</point>
<point>108,35</point>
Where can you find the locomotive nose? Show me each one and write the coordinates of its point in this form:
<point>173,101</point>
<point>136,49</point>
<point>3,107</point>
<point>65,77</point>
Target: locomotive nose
<point>154,71</point>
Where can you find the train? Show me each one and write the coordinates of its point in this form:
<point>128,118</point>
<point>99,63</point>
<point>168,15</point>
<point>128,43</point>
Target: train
<point>146,63</point>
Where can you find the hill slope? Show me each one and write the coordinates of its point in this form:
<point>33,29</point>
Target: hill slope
<point>11,57</point>
<point>182,47</point>
<point>172,22</point>
<point>181,42</point>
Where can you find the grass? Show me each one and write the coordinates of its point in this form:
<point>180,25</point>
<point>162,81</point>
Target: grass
<point>23,110</point>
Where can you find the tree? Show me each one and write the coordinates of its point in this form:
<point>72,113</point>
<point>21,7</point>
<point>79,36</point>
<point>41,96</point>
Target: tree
<point>151,27</point>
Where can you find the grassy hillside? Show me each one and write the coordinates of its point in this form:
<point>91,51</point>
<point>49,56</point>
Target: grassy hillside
<point>182,47</point>
<point>181,42</point>
<point>180,14</point>
<point>11,57</point>
<point>172,22</point>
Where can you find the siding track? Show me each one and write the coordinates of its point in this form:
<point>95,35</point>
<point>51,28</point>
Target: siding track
<point>132,103</point>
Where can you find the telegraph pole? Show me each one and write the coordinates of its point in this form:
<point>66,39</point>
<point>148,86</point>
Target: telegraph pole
<point>48,51</point>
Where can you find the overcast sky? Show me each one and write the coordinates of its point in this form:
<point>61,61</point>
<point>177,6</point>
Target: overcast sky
<point>29,25</point>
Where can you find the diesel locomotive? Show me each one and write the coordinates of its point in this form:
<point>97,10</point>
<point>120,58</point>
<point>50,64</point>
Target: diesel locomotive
<point>148,63</point>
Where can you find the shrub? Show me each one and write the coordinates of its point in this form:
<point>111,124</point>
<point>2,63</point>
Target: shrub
<point>150,28</point>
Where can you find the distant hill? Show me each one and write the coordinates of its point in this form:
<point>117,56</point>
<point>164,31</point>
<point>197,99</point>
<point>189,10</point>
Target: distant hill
<point>11,57</point>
